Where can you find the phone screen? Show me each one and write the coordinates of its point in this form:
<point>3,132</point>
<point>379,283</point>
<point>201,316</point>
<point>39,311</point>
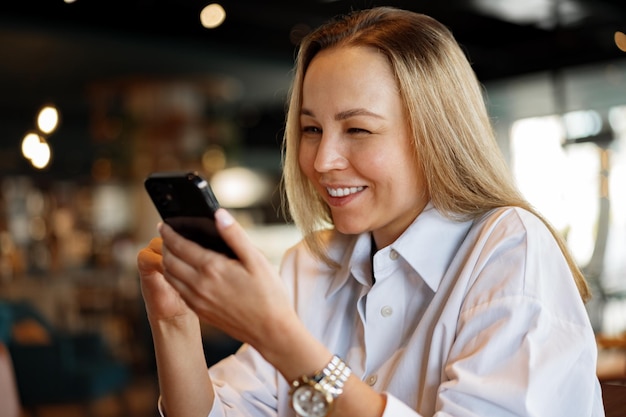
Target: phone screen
<point>186,202</point>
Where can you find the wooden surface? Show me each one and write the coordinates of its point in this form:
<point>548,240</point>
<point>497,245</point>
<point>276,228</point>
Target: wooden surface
<point>611,365</point>
<point>614,396</point>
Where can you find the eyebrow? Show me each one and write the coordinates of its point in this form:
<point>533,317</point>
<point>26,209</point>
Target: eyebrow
<point>346,114</point>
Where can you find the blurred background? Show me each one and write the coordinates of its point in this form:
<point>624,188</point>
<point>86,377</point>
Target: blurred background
<point>95,95</point>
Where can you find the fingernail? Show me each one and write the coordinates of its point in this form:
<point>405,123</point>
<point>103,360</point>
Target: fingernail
<point>159,226</point>
<point>224,218</point>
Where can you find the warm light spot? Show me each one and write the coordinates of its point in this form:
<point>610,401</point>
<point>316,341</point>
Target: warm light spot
<point>29,145</point>
<point>48,119</point>
<point>212,16</point>
<point>41,158</point>
<point>69,1</point>
<point>620,40</point>
<point>240,187</point>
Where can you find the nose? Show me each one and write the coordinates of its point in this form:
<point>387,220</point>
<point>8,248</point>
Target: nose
<point>331,154</point>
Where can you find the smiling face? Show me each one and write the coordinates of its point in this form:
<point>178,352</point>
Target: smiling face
<point>355,144</point>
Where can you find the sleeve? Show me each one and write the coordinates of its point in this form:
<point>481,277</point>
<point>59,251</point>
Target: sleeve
<point>514,358</point>
<point>524,345</point>
<point>244,385</point>
<point>396,408</point>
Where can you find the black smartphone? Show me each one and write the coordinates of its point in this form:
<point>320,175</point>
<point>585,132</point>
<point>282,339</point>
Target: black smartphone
<point>186,202</point>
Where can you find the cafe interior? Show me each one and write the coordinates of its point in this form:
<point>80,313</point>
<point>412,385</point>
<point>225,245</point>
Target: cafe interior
<point>95,95</point>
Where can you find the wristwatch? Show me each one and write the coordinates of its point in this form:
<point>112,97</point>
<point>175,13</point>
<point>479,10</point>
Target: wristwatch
<point>314,395</point>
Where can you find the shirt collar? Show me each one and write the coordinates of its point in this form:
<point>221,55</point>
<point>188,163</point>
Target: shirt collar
<point>428,245</point>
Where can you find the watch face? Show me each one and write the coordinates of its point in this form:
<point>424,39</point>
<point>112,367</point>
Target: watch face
<point>309,402</point>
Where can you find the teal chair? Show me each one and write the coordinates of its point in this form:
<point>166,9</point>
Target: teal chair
<point>64,368</point>
<point>6,321</point>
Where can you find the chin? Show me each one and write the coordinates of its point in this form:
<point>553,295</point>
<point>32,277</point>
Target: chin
<point>349,228</point>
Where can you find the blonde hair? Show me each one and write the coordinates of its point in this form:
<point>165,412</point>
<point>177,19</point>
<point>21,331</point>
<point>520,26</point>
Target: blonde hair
<point>464,170</point>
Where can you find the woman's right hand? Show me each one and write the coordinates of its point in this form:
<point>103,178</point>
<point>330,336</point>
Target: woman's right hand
<point>163,302</point>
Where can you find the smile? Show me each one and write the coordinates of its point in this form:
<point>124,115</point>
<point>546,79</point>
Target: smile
<point>343,192</point>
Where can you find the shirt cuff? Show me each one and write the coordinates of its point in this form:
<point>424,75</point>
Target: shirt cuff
<point>160,407</point>
<point>396,408</point>
<point>162,413</point>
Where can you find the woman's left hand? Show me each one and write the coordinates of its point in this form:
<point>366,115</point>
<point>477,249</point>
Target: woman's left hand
<point>244,298</point>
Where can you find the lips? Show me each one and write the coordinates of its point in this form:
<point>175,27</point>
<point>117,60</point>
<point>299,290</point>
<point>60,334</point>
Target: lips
<point>343,191</point>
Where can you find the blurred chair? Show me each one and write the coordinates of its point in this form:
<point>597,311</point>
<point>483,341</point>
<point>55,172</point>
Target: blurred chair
<point>54,367</point>
<point>8,387</point>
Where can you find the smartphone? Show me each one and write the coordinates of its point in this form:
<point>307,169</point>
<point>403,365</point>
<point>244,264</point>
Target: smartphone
<point>186,202</point>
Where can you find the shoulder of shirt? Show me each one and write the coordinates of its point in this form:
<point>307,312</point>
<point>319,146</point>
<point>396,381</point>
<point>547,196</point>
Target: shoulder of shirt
<point>302,269</point>
<point>511,216</point>
<point>337,245</point>
<point>511,226</point>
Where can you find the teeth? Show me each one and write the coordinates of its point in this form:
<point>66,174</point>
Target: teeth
<point>342,192</point>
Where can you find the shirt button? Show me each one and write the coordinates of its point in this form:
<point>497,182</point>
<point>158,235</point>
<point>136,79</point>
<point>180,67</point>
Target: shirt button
<point>386,311</point>
<point>371,380</point>
<point>393,255</point>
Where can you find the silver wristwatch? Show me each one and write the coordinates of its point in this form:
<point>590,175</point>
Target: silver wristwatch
<point>314,395</point>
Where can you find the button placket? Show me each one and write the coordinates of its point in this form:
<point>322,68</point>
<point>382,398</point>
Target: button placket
<point>383,311</point>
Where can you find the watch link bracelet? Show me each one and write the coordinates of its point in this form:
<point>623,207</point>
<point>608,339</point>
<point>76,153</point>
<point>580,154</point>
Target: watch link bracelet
<point>314,395</point>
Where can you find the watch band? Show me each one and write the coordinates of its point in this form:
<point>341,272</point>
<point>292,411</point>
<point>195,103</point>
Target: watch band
<point>333,377</point>
<point>314,395</point>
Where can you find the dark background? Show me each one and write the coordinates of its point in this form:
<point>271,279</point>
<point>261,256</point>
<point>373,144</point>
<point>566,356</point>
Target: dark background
<point>58,52</point>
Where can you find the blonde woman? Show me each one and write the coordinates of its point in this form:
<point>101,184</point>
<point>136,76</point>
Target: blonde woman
<point>425,284</point>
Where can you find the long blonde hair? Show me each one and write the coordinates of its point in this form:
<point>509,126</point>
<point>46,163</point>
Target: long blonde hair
<point>465,172</point>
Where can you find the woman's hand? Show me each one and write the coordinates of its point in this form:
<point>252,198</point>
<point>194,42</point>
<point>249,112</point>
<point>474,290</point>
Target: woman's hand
<point>244,298</point>
<point>184,383</point>
<point>162,301</point>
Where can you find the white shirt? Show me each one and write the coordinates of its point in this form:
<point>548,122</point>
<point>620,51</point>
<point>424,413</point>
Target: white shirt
<point>464,319</point>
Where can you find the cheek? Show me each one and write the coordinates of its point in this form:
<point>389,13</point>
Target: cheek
<point>395,169</point>
<point>374,163</point>
<point>306,159</point>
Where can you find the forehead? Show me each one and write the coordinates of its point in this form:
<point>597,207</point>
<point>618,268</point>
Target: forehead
<point>349,73</point>
<point>364,57</point>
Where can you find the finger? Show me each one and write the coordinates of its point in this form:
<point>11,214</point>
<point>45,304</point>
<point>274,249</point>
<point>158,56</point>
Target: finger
<point>156,245</point>
<point>185,263</point>
<point>176,243</point>
<point>184,289</point>
<point>149,261</point>
<point>235,237</point>
<point>177,252</point>
<point>179,274</point>
<point>188,251</point>
<point>149,258</point>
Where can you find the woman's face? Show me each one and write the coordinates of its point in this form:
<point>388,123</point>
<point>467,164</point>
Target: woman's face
<point>355,144</point>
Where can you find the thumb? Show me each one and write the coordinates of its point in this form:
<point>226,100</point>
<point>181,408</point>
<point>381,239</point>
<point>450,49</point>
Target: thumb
<point>233,234</point>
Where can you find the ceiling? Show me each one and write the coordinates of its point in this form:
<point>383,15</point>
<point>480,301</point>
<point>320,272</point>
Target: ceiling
<point>53,51</point>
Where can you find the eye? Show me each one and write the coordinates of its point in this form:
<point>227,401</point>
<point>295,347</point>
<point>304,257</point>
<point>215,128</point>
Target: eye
<point>358,130</point>
<point>311,129</point>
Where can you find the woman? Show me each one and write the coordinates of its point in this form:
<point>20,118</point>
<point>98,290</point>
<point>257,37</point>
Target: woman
<point>425,284</point>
